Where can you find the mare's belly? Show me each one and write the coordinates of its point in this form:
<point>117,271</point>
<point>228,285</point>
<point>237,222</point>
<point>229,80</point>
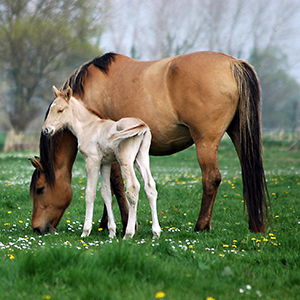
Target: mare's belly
<point>166,141</point>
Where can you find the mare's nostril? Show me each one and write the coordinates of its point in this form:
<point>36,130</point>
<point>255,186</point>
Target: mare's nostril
<point>37,230</point>
<point>48,228</point>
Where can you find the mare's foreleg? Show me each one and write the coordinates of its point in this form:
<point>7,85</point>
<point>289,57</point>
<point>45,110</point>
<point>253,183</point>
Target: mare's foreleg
<point>211,179</point>
<point>143,165</point>
<point>92,171</point>
<point>117,184</point>
<point>107,198</point>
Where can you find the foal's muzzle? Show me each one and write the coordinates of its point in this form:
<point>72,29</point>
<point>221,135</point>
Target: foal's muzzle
<point>49,130</point>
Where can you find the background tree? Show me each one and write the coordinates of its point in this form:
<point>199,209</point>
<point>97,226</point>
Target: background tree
<point>236,27</point>
<point>280,92</point>
<point>43,41</point>
<point>39,39</point>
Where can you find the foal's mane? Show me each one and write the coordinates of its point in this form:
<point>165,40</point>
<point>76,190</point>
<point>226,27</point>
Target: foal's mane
<point>48,146</point>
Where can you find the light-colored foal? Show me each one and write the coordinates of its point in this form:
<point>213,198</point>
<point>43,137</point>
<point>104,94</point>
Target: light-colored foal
<point>102,142</point>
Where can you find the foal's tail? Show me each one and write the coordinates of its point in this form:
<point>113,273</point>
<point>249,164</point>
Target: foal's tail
<point>248,143</point>
<point>139,129</point>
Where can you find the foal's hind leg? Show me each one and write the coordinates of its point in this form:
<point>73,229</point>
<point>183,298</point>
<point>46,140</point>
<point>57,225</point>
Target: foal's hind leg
<point>132,192</point>
<point>211,179</point>
<point>143,165</point>
<point>127,154</point>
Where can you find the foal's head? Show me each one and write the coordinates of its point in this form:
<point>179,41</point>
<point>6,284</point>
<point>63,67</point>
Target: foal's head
<point>60,113</point>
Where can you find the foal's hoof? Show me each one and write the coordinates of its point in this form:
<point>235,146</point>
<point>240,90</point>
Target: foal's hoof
<point>156,235</point>
<point>86,233</point>
<point>128,236</point>
<point>112,235</point>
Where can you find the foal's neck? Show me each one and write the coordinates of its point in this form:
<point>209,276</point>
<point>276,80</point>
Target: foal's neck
<point>82,118</point>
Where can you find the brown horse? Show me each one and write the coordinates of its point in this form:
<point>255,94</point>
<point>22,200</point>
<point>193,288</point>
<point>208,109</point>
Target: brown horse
<point>187,99</point>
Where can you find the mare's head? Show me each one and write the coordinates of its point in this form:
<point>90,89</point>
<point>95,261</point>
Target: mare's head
<point>60,113</point>
<point>49,202</point>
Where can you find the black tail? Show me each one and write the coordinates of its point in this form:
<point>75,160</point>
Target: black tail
<point>249,115</point>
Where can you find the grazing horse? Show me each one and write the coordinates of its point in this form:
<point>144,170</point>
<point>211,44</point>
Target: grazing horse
<point>187,99</point>
<point>102,142</point>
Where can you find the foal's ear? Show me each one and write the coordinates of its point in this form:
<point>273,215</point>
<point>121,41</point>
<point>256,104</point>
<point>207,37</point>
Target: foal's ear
<point>56,91</point>
<point>68,94</point>
<point>36,163</point>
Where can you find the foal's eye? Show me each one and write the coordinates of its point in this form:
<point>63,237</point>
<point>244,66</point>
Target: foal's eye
<point>40,191</point>
<point>60,111</point>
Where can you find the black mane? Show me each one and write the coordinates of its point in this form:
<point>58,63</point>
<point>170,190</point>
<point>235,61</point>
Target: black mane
<point>48,146</point>
<point>75,81</point>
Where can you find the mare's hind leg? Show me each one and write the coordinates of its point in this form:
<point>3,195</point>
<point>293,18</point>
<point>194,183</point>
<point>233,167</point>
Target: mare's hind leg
<point>117,184</point>
<point>107,198</point>
<point>143,165</point>
<point>211,179</point>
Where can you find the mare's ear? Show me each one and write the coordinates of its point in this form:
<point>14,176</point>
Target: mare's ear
<point>36,163</point>
<point>56,91</point>
<point>68,94</point>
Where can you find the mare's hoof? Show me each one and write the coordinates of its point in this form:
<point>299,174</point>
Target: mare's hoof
<point>206,228</point>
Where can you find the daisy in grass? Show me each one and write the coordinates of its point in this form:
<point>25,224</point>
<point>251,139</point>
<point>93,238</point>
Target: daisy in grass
<point>160,295</point>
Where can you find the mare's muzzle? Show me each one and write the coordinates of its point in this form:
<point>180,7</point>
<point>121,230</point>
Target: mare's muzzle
<point>48,228</point>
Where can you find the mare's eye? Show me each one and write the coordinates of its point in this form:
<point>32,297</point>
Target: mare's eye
<point>60,111</point>
<point>40,191</point>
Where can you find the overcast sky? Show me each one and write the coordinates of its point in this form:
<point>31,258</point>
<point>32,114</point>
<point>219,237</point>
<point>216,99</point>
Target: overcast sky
<point>222,24</point>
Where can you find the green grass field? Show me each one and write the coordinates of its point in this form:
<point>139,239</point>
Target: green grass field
<point>230,262</point>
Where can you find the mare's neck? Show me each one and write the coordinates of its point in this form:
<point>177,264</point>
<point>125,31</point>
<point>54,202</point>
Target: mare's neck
<point>66,153</point>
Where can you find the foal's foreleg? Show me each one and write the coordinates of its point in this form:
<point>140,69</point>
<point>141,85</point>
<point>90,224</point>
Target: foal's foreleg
<point>92,171</point>
<point>143,165</point>
<point>107,198</point>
